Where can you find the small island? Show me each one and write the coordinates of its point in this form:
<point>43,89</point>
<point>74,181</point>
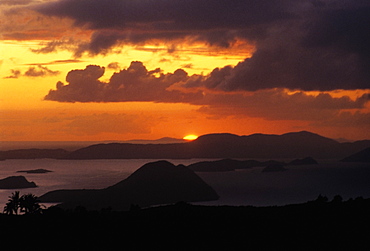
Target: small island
<point>35,171</point>
<point>304,161</point>
<point>16,182</point>
<point>275,167</point>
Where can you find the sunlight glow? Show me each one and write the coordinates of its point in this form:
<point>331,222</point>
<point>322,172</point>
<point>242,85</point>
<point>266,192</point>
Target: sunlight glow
<point>190,137</point>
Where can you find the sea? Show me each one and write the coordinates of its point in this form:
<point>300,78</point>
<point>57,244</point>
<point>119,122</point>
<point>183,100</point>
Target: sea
<point>237,188</point>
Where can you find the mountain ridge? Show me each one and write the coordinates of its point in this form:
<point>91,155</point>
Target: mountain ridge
<point>216,145</point>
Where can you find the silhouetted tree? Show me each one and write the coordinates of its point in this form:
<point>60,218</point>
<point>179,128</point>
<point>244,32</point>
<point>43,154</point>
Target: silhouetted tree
<point>12,206</point>
<point>321,199</point>
<point>29,204</point>
<point>337,199</point>
<point>26,203</point>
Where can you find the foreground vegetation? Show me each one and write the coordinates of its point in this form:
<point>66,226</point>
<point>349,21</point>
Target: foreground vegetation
<point>315,225</point>
<point>27,204</point>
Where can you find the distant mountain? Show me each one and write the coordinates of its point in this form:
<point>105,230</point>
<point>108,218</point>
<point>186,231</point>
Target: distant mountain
<point>154,183</point>
<point>16,182</point>
<point>33,154</point>
<point>362,156</point>
<point>289,145</point>
<point>216,146</point>
<point>74,145</point>
<point>164,140</point>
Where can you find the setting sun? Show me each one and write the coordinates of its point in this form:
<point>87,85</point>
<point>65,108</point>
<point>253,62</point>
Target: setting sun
<point>190,137</point>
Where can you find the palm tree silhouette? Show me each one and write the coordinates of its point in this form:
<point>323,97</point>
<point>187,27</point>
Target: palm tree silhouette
<point>13,203</point>
<point>29,204</point>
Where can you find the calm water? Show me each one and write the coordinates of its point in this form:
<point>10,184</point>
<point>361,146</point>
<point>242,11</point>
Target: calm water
<point>242,187</point>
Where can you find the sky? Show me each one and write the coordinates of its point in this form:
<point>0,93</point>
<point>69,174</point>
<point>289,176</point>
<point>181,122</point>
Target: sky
<point>90,70</point>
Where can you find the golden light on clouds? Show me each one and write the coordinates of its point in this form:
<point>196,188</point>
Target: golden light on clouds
<point>214,70</point>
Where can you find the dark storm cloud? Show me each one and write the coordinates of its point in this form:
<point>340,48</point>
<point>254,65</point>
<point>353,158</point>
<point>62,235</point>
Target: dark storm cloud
<point>135,83</point>
<point>164,14</point>
<point>124,21</point>
<point>300,44</point>
<point>290,67</point>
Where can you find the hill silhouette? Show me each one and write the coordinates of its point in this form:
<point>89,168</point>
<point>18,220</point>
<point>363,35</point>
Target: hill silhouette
<point>154,183</point>
<point>362,156</point>
<point>289,145</point>
<point>216,146</point>
<point>16,182</point>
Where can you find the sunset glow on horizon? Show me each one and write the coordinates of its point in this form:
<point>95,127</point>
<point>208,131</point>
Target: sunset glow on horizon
<point>190,137</point>
<point>111,73</point>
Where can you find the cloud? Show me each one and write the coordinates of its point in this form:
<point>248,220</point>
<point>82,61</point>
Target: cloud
<point>55,45</point>
<point>135,83</point>
<point>15,74</point>
<point>39,71</point>
<point>300,44</point>
<point>16,2</point>
<point>292,68</point>
<point>347,120</point>
<point>114,66</point>
<point>115,22</point>
<point>277,104</point>
<point>63,61</point>
<point>164,14</point>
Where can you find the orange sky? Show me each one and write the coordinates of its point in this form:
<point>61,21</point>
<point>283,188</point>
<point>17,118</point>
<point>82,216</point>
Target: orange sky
<point>27,74</point>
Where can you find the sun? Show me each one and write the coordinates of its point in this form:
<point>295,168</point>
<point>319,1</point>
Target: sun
<point>190,137</point>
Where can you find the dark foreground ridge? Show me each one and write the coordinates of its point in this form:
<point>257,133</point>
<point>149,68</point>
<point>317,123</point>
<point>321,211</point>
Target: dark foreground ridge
<point>154,183</point>
<point>315,225</point>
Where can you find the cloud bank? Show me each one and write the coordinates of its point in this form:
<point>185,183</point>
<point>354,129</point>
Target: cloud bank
<point>300,44</point>
<point>136,83</point>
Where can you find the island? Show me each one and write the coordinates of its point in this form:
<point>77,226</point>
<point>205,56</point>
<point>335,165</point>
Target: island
<point>361,156</point>
<point>154,183</point>
<point>16,182</point>
<point>35,171</point>
<point>277,167</point>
